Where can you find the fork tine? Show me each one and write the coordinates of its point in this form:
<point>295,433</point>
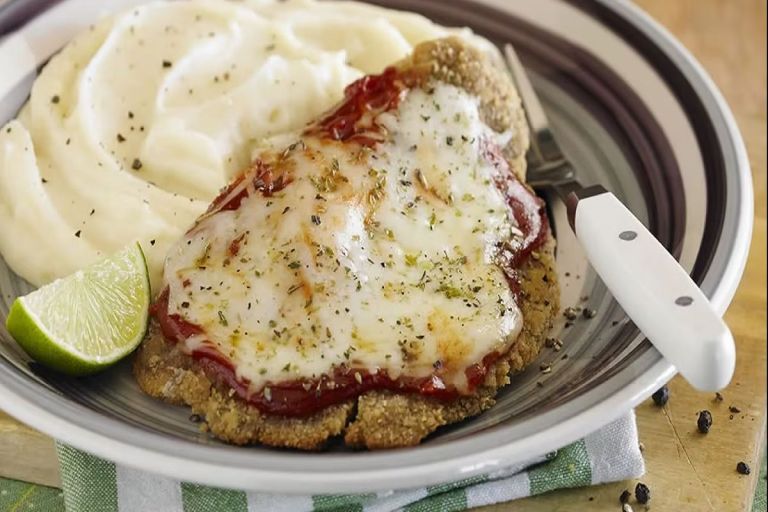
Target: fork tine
<point>536,117</point>
<point>545,151</point>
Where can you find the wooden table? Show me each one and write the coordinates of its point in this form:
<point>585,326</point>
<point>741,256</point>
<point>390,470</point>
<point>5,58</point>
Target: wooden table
<point>685,471</point>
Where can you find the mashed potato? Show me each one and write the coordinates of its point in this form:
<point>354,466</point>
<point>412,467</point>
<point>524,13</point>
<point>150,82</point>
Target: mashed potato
<point>133,128</point>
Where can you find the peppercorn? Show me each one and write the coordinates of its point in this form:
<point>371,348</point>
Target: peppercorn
<point>743,469</point>
<point>625,496</point>
<point>642,493</point>
<point>661,397</point>
<point>570,313</point>
<point>704,422</point>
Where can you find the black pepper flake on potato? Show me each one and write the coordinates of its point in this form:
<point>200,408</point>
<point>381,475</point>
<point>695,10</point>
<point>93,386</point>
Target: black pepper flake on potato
<point>718,397</point>
<point>589,313</point>
<point>734,409</point>
<point>642,493</point>
<point>625,496</point>
<point>661,397</point>
<point>742,468</point>
<point>136,165</point>
<point>55,99</point>
<point>704,423</point>
<point>167,64</point>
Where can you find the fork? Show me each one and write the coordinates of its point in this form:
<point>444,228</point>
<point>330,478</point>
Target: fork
<point>657,294</point>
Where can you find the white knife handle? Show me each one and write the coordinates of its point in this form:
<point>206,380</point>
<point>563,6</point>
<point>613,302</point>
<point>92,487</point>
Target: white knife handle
<point>654,290</point>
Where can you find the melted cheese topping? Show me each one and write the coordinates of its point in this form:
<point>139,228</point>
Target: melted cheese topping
<point>381,259</point>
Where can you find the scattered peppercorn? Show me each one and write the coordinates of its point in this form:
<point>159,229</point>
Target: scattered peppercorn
<point>570,313</point>
<point>642,493</point>
<point>624,498</point>
<point>136,165</point>
<point>167,64</point>
<point>734,409</point>
<point>742,468</point>
<point>718,397</point>
<point>77,233</point>
<point>55,99</point>
<point>704,422</point>
<point>589,313</point>
<point>661,397</point>
<point>120,138</point>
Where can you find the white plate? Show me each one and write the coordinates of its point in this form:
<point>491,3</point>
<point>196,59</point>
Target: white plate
<point>634,111</point>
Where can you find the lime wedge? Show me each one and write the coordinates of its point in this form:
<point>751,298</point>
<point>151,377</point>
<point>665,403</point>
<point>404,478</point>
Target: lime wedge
<point>89,320</point>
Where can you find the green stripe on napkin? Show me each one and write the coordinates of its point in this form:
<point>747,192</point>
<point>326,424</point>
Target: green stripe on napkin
<point>570,468</point>
<point>79,468</point>
<point>199,498</point>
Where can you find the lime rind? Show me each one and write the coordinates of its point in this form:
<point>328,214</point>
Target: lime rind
<point>89,320</point>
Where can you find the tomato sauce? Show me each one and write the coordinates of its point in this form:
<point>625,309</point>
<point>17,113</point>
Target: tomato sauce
<point>261,176</point>
<point>354,121</point>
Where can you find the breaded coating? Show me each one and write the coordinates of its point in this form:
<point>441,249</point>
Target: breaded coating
<point>164,372</point>
<point>379,419</point>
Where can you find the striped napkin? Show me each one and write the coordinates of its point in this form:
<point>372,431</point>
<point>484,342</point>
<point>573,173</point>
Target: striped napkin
<point>610,454</point>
